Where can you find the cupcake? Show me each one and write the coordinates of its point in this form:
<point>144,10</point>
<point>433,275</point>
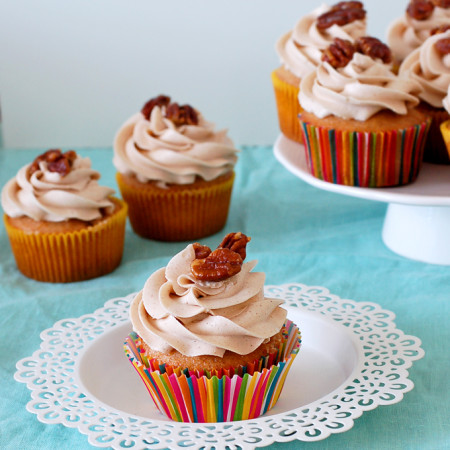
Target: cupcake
<point>429,65</point>
<point>360,124</point>
<point>175,171</point>
<point>209,346</point>
<point>300,51</point>
<point>409,32</point>
<point>445,126</point>
<point>61,224</point>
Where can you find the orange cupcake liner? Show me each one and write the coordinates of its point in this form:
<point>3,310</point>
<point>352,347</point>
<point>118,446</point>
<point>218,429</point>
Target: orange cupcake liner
<point>64,257</point>
<point>365,159</point>
<point>288,107</point>
<point>180,212</point>
<point>445,131</point>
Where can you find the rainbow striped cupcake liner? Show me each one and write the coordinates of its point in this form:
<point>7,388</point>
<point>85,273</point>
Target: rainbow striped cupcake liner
<point>365,159</point>
<point>244,393</point>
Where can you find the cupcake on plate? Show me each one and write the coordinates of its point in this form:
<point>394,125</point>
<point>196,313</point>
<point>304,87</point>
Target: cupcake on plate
<point>62,225</point>
<point>445,126</point>
<point>300,51</point>
<point>175,171</point>
<point>360,124</point>
<point>409,32</point>
<point>209,346</point>
<point>429,65</point>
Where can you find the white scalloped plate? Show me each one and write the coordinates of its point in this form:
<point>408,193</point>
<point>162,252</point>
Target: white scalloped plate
<point>353,359</point>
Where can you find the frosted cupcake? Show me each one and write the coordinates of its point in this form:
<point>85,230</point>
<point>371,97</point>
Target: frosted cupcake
<point>429,65</point>
<point>300,51</point>
<point>62,225</point>
<point>175,171</point>
<point>421,17</point>
<point>207,343</point>
<point>360,124</point>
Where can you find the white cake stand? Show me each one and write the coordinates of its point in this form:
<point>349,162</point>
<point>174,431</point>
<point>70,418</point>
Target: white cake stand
<point>417,222</point>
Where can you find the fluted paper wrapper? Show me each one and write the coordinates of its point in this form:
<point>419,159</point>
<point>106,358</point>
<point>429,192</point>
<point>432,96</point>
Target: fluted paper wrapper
<point>180,212</point>
<point>288,107</point>
<point>237,394</point>
<point>365,159</point>
<point>71,255</point>
<point>445,130</point>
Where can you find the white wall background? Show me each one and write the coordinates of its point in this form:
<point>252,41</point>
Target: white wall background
<point>72,71</point>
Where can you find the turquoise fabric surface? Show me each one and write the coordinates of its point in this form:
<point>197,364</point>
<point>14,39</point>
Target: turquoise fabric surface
<point>299,234</point>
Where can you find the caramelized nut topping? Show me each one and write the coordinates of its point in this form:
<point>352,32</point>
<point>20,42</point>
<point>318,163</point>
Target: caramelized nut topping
<point>236,242</point>
<point>219,265</point>
<point>341,14</point>
<point>443,46</point>
<point>222,263</point>
<point>201,251</point>
<point>339,53</point>
<point>56,161</point>
<point>420,9</point>
<point>441,3</point>
<point>439,30</point>
<point>374,48</point>
<point>181,115</point>
<point>161,100</point>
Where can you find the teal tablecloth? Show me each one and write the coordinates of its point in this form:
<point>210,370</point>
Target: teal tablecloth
<point>299,234</point>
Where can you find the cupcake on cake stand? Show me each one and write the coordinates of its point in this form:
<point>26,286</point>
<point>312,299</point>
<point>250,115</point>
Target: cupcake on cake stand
<point>417,221</point>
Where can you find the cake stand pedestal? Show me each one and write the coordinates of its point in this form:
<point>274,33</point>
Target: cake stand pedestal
<point>417,222</point>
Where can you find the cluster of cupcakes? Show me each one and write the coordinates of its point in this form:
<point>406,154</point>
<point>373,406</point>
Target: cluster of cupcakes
<point>367,113</point>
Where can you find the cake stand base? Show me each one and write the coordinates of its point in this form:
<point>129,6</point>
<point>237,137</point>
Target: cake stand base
<point>418,232</point>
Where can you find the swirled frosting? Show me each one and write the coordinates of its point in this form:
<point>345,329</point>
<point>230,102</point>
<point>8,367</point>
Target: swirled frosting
<point>406,34</point>
<point>174,310</point>
<point>49,196</point>
<point>430,69</point>
<point>158,150</point>
<point>300,50</point>
<point>357,91</point>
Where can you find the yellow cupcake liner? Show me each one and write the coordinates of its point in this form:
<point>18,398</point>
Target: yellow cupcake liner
<point>62,257</point>
<point>445,131</point>
<point>286,96</point>
<point>180,212</point>
<point>436,149</point>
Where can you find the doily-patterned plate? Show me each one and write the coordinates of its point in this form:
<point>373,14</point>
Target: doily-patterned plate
<point>353,359</point>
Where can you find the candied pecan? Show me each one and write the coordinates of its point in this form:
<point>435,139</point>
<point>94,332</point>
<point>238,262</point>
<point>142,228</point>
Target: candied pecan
<point>440,29</point>
<point>420,9</point>
<point>347,5</point>
<point>181,115</point>
<point>441,3</point>
<point>237,242</point>
<point>339,53</point>
<point>201,251</point>
<point>56,161</point>
<point>443,46</point>
<point>339,17</point>
<point>219,265</point>
<point>374,48</point>
<point>161,100</point>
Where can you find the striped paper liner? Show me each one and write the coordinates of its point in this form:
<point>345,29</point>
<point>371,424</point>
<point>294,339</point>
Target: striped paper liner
<point>240,394</point>
<point>445,130</point>
<point>365,159</point>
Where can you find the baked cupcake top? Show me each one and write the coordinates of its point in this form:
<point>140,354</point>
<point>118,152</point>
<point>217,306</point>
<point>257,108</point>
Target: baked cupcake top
<point>429,65</point>
<point>172,144</point>
<point>300,50</point>
<point>56,187</point>
<point>421,17</point>
<point>204,303</point>
<point>355,81</point>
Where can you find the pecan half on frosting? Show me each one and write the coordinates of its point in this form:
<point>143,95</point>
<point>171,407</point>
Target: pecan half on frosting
<point>56,160</point>
<point>222,263</point>
<point>420,9</point>
<point>161,100</point>
<point>441,3</point>
<point>339,53</point>
<point>374,48</point>
<point>181,115</point>
<point>341,14</point>
<point>443,46</point>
